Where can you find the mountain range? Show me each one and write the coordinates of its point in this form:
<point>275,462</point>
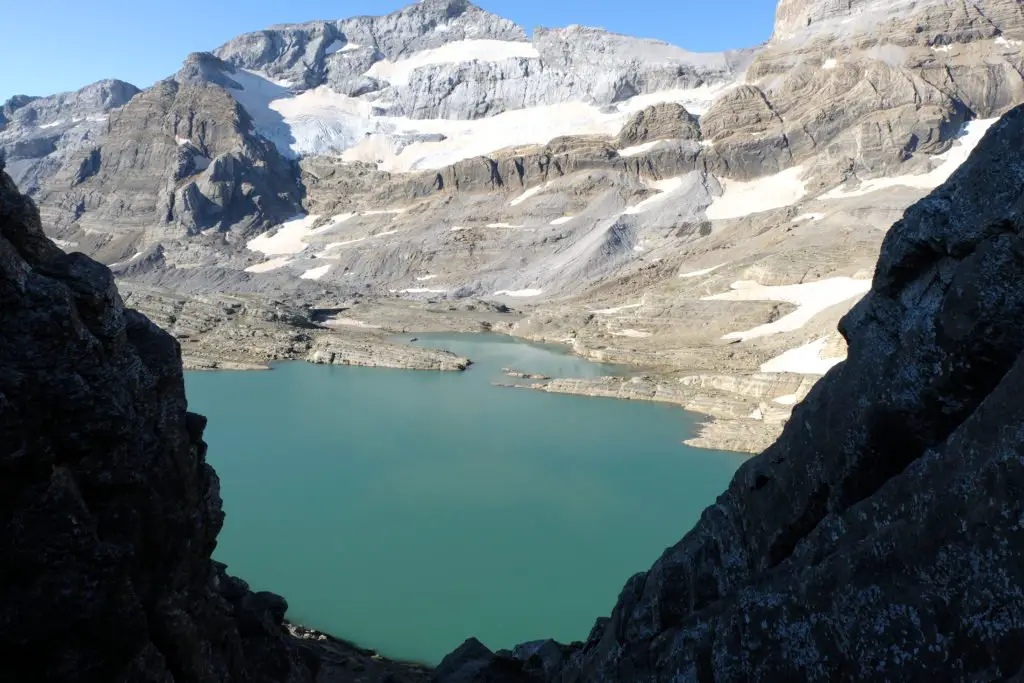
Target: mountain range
<point>880,537</point>
<point>706,217</point>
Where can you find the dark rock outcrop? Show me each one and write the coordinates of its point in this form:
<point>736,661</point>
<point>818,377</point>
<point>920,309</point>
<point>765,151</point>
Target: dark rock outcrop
<point>881,537</point>
<point>108,510</point>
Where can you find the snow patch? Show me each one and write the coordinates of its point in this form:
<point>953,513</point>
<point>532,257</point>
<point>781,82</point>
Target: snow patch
<point>121,263</point>
<point>272,264</point>
<point>1003,42</point>
<point>698,273</point>
<point>803,360</point>
<point>350,322</point>
<point>519,292</point>
<point>665,189</point>
<point>457,52</point>
<point>53,124</point>
<point>632,334</point>
<point>950,160</point>
<point>425,278</point>
<point>340,46</point>
<point>829,64</point>
<point>696,100</point>
<point>561,221</point>
<point>616,309</point>
<point>182,141</point>
<point>333,223</point>
<point>811,298</point>
<point>64,244</point>
<point>335,245</point>
<point>942,48</point>
<point>808,217</point>
<point>526,195</point>
<point>316,273</point>
<point>423,290</point>
<point>288,239</point>
<point>504,225</point>
<point>638,149</point>
<point>741,199</point>
<point>787,400</point>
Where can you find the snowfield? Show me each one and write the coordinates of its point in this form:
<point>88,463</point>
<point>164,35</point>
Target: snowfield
<point>665,190</point>
<point>397,73</point>
<point>315,273</point>
<point>741,199</point>
<point>267,266</point>
<point>698,273</point>
<point>322,121</point>
<point>638,149</point>
<point>288,239</point>
<point>803,360</point>
<point>810,298</point>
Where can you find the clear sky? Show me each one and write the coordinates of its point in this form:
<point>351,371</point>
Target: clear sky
<point>54,45</point>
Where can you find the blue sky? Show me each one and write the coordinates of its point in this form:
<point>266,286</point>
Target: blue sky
<point>55,45</point>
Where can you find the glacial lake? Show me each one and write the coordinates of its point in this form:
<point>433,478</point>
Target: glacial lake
<point>407,511</point>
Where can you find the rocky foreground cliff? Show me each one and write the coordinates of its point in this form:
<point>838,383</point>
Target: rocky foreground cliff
<point>109,512</point>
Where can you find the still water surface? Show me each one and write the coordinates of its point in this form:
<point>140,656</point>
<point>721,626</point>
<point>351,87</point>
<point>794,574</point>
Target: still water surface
<point>410,510</point>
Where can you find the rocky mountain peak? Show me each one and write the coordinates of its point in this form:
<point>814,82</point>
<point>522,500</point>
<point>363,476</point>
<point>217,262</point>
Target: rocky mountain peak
<point>11,105</point>
<point>95,98</point>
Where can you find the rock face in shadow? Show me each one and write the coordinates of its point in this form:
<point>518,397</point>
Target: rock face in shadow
<point>108,510</point>
<point>881,536</point>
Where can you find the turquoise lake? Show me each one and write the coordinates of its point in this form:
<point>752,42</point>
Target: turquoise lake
<point>407,511</point>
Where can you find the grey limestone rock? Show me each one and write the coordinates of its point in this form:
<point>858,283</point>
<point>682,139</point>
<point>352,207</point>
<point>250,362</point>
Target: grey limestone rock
<point>38,134</point>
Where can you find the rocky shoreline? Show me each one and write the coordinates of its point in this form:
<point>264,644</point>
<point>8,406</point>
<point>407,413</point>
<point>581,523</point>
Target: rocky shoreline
<point>739,414</point>
<point>342,661</point>
<point>249,332</point>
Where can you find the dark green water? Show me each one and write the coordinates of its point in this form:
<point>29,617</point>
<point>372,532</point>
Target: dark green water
<point>410,510</point>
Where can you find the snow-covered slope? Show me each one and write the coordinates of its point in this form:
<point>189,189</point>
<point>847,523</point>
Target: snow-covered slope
<point>450,82</point>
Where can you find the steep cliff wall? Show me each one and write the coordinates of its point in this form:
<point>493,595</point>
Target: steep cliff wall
<point>108,510</point>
